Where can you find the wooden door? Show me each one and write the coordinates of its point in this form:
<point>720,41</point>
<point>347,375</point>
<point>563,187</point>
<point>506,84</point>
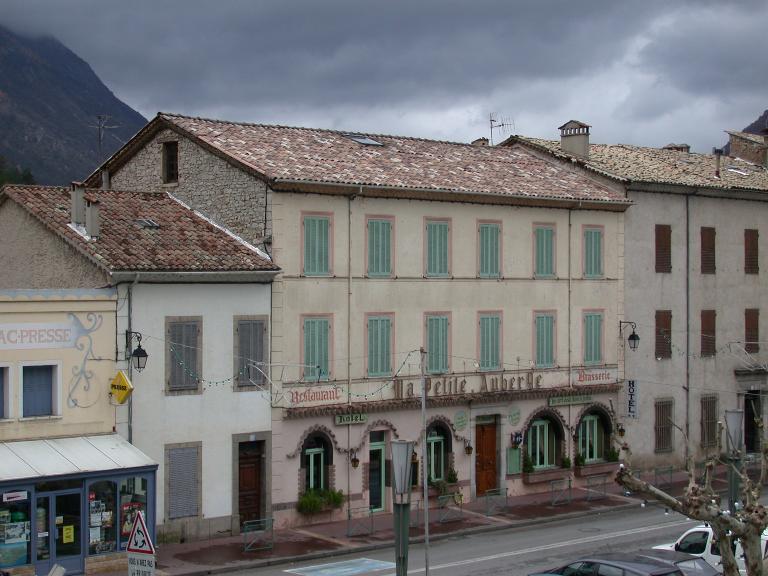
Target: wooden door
<point>250,462</point>
<point>485,458</point>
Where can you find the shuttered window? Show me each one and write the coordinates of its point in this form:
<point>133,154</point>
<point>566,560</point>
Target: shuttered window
<point>438,237</point>
<point>317,245</point>
<point>379,247</point>
<point>752,330</point>
<point>38,387</point>
<point>489,250</point>
<point>544,240</point>
<point>663,248</point>
<point>663,425</point>
<point>708,421</point>
<point>708,340</point>
<point>379,345</point>
<point>316,336</point>
<point>593,252</point>
<point>490,342</point>
<point>437,344</point>
<point>545,340</point>
<point>250,357</point>
<point>751,252</point>
<point>663,334</point>
<point>183,481</point>
<point>184,354</point>
<point>708,263</point>
<point>3,387</point>
<point>593,338</point>
<point>514,461</point>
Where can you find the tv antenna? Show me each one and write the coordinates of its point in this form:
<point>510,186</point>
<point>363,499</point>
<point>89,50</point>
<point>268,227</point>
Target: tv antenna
<point>502,123</point>
<point>102,125</point>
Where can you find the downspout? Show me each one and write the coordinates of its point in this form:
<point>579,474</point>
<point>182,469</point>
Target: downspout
<point>349,345</point>
<point>687,322</point>
<point>130,364</point>
<point>570,364</point>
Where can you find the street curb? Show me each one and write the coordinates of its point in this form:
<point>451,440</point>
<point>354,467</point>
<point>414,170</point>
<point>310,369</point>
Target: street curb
<point>417,540</point>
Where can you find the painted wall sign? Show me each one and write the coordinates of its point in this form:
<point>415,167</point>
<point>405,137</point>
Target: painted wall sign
<point>588,376</point>
<point>471,383</point>
<point>631,399</point>
<point>26,336</point>
<point>314,395</point>
<point>342,419</point>
<point>569,400</point>
<point>120,387</point>
<point>16,496</point>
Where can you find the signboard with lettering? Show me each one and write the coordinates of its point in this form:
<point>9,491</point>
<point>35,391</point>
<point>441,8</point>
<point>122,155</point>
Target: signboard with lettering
<point>589,376</point>
<point>26,336</point>
<point>120,387</point>
<point>631,389</point>
<point>342,419</point>
<point>569,400</point>
<point>141,551</point>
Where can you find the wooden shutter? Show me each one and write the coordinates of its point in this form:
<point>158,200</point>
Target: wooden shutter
<point>379,247</point>
<point>250,340</point>
<point>593,252</point>
<point>379,345</point>
<point>545,331</point>
<point>514,461</point>
<point>707,250</point>
<point>708,341</point>
<point>437,249</point>
<point>183,482</point>
<point>751,252</point>
<point>663,425</point>
<point>490,342</point>
<point>489,250</point>
<point>184,355</point>
<point>545,251</point>
<point>316,334</point>
<point>437,344</point>
<point>316,245</point>
<point>593,338</point>
<point>752,330</point>
<point>663,248</point>
<point>663,333</point>
<point>2,393</point>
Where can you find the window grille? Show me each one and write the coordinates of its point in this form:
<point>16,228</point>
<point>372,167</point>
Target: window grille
<point>663,425</point>
<point>708,421</point>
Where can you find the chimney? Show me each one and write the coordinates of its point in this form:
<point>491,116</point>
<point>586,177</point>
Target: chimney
<point>718,152</point>
<point>77,204</point>
<point>105,181</point>
<point>678,147</point>
<point>92,223</point>
<point>480,142</point>
<point>574,138</point>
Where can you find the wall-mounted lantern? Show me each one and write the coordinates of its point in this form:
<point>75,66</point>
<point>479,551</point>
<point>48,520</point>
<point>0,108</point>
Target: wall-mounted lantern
<point>139,355</point>
<point>633,339</point>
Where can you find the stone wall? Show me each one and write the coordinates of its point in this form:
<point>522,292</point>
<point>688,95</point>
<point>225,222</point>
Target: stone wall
<point>226,194</point>
<point>749,150</point>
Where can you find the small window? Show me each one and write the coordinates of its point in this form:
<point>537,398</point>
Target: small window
<point>438,249</point>
<point>170,162</point>
<point>317,245</point>
<point>544,248</point>
<point>593,252</point>
<point>593,338</point>
<point>316,460</point>
<point>184,354</point>
<point>39,390</point>
<point>363,139</point>
<point>437,329</point>
<point>544,325</point>
<point>751,252</point>
<point>663,334</point>
<point>708,421</point>
<point>379,247</point>
<point>490,342</point>
<point>663,425</point>
<point>752,330</point>
<point>708,338</point>
<point>183,478</point>
<point>250,340</point>
<point>379,345</point>
<point>708,262</point>
<point>663,248</point>
<point>436,455</point>
<point>490,255</point>
<point>317,331</point>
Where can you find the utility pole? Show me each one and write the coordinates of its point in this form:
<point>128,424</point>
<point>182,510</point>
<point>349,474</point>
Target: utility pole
<point>424,459</point>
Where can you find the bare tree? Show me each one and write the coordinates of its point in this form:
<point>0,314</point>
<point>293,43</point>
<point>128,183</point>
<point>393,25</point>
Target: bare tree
<point>700,502</point>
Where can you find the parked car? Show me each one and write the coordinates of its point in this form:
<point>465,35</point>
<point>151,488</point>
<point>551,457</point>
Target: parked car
<point>699,541</point>
<point>641,563</point>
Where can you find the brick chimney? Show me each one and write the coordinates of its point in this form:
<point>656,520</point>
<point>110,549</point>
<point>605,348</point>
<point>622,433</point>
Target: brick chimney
<point>77,204</point>
<point>92,218</point>
<point>574,138</point>
<point>718,152</point>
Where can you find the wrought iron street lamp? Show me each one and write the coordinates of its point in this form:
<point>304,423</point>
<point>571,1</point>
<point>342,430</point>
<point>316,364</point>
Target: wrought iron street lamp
<point>633,339</point>
<point>139,355</point>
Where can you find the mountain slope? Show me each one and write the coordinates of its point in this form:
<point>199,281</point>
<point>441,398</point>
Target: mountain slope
<point>49,102</point>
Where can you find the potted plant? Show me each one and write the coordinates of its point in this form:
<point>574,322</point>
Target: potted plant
<point>565,462</point>
<point>533,476</point>
<point>314,501</point>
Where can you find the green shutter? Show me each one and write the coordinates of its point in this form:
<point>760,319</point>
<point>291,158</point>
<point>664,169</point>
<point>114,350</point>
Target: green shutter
<point>593,252</point>
<point>437,248</point>
<point>545,251</point>
<point>489,250</point>
<point>545,333</point>
<point>379,352</point>
<point>437,344</point>
<point>316,331</point>
<point>489,342</point>
<point>593,331</point>
<point>379,247</point>
<point>514,463</point>
<point>316,245</point>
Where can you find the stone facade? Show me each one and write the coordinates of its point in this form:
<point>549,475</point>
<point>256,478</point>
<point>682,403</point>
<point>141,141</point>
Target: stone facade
<point>749,149</point>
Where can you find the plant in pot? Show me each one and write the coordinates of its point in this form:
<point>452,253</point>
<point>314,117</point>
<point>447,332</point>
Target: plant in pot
<point>527,464</point>
<point>611,455</point>
<point>579,460</point>
<point>565,462</point>
<point>314,501</point>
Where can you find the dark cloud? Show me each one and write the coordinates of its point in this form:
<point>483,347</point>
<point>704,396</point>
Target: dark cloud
<point>432,68</point>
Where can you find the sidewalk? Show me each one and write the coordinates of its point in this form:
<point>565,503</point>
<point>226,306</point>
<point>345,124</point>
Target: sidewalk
<point>333,539</point>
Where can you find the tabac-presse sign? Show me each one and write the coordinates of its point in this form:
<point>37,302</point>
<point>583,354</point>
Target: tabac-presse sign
<point>141,551</point>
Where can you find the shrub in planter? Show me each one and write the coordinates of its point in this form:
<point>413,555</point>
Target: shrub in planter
<point>311,502</point>
<point>452,477</point>
<point>334,498</point>
<point>612,455</point>
<point>579,460</point>
<point>565,462</point>
<point>527,464</point>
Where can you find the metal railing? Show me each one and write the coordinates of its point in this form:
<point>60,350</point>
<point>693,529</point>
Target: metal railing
<point>596,487</point>
<point>560,491</point>
<point>258,535</point>
<point>495,501</point>
<point>450,507</point>
<point>360,521</point>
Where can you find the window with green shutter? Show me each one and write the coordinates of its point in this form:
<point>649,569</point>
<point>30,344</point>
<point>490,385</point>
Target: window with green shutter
<point>545,340</point>
<point>514,461</point>
<point>437,344</point>
<point>317,245</point>
<point>593,252</point>
<point>545,251</point>
<point>437,249</point>
<point>379,345</point>
<point>490,342</point>
<point>489,250</point>
<point>593,338</point>
<point>379,247</point>
<point>316,336</point>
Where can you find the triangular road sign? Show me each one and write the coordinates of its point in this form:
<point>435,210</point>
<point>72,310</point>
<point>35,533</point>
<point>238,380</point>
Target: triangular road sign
<point>139,541</point>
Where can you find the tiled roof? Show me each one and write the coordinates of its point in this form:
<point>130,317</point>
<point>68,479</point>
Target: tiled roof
<point>657,165</point>
<point>756,138</point>
<point>330,157</point>
<point>183,241</point>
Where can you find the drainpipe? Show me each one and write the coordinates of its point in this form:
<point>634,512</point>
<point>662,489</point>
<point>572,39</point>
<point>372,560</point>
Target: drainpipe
<point>349,345</point>
<point>687,321</point>
<point>570,363</point>
<point>130,364</point>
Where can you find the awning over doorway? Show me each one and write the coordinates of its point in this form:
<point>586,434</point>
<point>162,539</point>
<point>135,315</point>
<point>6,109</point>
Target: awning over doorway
<point>29,459</point>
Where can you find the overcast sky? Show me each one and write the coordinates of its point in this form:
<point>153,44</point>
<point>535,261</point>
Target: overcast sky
<point>645,72</point>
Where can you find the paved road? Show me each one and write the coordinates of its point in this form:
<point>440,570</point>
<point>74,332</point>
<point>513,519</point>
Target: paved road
<point>508,552</point>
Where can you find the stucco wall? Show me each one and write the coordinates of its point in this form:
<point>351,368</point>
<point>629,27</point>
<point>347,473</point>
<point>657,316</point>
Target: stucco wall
<point>33,257</point>
<point>206,182</point>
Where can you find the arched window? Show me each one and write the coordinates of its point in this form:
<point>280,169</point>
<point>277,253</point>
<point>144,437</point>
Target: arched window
<point>438,450</point>
<point>594,437</point>
<point>544,443</point>
<point>316,457</point>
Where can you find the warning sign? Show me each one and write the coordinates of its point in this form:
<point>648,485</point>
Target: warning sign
<point>120,387</point>
<point>141,551</point>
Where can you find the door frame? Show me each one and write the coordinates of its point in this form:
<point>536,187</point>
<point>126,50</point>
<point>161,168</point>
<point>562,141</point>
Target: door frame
<point>382,448</point>
<point>73,563</point>
<point>266,482</point>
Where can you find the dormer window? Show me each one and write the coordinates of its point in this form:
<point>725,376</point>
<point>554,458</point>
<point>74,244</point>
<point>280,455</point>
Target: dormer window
<point>170,162</point>
<point>363,139</point>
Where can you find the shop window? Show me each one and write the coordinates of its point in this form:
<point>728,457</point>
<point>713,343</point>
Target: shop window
<point>183,479</point>
<point>250,338</point>
<point>379,247</point>
<point>592,439</point>
<point>39,390</point>
<point>438,330</point>
<point>132,495</point>
<point>315,460</point>
<point>542,444</point>
<point>593,338</point>
<point>170,162</point>
<point>490,255</point>
<point>4,391</point>
<point>438,257</point>
<point>15,529</point>
<point>490,342</point>
<point>593,252</point>
<point>379,345</point>
<point>102,517</point>
<point>317,242</point>
<point>544,249</point>
<point>184,358</point>
<point>545,339</point>
<point>316,336</point>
